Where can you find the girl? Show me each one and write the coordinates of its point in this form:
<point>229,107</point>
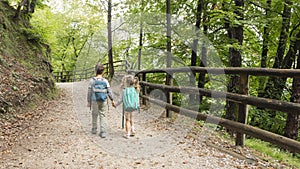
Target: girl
<point>129,82</point>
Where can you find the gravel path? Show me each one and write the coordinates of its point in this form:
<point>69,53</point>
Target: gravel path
<point>62,139</point>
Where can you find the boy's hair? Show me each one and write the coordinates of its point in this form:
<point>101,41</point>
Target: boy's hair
<point>99,69</point>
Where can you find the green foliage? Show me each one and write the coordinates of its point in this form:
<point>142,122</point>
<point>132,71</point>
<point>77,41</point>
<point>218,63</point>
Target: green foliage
<point>71,33</point>
<point>32,34</point>
<point>267,120</point>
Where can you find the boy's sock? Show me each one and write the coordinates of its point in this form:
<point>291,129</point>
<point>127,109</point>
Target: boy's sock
<point>94,130</point>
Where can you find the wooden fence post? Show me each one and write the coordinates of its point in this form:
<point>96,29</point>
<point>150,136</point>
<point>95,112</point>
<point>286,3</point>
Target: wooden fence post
<point>243,109</point>
<point>144,90</point>
<point>169,82</point>
<point>85,74</point>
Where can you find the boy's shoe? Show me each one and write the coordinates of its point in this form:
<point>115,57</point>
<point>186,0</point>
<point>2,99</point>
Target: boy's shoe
<point>102,134</point>
<point>94,130</point>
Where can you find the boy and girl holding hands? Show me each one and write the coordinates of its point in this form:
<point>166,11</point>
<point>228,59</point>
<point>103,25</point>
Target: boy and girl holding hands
<point>99,107</point>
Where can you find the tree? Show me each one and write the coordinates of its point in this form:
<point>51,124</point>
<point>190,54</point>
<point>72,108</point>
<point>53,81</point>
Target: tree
<point>109,40</point>
<point>169,54</point>
<point>275,86</point>
<point>203,62</point>
<point>265,44</point>
<point>195,48</point>
<point>68,28</point>
<point>28,5</point>
<point>292,122</point>
<point>235,33</point>
<point>266,36</point>
<point>140,37</point>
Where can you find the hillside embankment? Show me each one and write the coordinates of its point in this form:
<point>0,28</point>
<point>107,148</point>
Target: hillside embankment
<point>25,71</point>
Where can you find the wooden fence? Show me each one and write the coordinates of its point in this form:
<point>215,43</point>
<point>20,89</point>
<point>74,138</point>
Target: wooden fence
<point>241,127</point>
<point>82,74</point>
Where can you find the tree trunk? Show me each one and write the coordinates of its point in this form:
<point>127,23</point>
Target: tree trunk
<point>168,14</point>
<point>266,37</point>
<point>201,80</point>
<point>265,48</point>
<point>192,97</point>
<point>235,33</point>
<point>140,39</point>
<point>169,54</point>
<point>292,122</point>
<point>18,11</point>
<point>285,26</point>
<point>274,86</point>
<point>27,7</point>
<point>33,5</point>
<point>109,37</point>
<point>140,46</point>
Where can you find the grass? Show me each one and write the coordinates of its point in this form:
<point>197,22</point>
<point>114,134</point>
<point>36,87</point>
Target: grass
<point>273,153</point>
<point>263,150</point>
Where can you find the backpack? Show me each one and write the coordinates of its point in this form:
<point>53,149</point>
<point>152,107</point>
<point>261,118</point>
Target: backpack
<point>99,89</point>
<point>130,99</point>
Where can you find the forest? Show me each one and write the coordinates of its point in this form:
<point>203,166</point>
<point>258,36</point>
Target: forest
<point>158,34</point>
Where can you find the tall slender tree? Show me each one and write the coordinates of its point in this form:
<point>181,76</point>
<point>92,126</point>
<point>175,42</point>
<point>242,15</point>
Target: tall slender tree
<point>169,54</point>
<point>195,47</point>
<point>292,122</point>
<point>274,86</point>
<point>266,37</point>
<point>235,33</point>
<point>265,45</point>
<point>141,37</point>
<point>109,39</point>
<point>203,62</point>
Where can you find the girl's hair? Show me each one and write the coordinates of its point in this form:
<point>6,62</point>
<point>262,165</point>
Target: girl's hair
<point>99,69</point>
<point>129,80</point>
<point>136,84</point>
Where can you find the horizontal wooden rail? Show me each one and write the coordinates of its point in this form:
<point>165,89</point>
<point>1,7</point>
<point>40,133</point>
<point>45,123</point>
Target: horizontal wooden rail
<point>241,97</point>
<point>227,70</point>
<point>245,99</point>
<point>78,75</point>
<point>281,141</point>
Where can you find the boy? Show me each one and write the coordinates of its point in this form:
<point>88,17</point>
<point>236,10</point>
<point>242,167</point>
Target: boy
<point>98,89</point>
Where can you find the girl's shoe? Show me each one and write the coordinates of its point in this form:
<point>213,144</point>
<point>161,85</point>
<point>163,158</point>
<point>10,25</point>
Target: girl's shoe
<point>132,132</point>
<point>126,136</point>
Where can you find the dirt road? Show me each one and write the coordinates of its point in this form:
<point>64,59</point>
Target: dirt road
<point>62,139</point>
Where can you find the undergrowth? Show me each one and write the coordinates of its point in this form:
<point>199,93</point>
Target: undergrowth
<point>270,152</point>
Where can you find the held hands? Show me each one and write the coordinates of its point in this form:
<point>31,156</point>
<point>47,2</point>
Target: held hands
<point>113,104</point>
